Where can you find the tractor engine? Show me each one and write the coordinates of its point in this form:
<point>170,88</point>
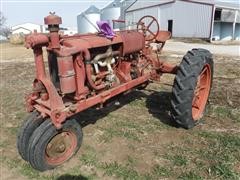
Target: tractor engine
<point>110,62</point>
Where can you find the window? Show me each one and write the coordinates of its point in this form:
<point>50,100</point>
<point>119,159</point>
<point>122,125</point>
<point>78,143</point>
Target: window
<point>218,15</point>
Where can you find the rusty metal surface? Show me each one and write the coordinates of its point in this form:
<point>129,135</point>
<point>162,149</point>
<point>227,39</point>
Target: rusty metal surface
<point>54,38</point>
<point>66,74</point>
<point>35,39</point>
<point>90,41</point>
<point>133,41</point>
<point>52,19</point>
<point>163,36</point>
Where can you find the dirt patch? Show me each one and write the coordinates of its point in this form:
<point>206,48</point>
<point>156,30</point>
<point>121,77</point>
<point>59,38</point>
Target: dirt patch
<point>226,91</point>
<point>191,40</point>
<point>9,174</point>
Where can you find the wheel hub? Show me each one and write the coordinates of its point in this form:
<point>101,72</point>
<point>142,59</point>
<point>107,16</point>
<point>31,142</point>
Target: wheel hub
<point>61,147</point>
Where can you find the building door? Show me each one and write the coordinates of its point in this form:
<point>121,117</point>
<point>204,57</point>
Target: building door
<point>170,25</point>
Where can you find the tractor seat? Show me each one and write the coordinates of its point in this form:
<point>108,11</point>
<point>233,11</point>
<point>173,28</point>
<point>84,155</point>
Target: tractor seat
<point>163,36</point>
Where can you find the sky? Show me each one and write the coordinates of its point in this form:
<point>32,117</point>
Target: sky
<point>21,11</point>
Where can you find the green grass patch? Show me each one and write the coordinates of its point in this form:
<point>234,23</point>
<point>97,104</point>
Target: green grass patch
<point>4,143</point>
<point>20,115</point>
<point>223,153</point>
<point>118,131</point>
<point>89,159</point>
<point>225,112</point>
<point>190,176</point>
<point>13,130</point>
<point>120,171</point>
<point>178,160</point>
<point>159,171</point>
<point>224,140</point>
<point>131,161</point>
<point>24,168</point>
<point>109,133</point>
<point>138,103</point>
<point>177,156</point>
<point>224,171</point>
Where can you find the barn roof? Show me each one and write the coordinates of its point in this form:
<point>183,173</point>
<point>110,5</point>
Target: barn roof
<point>21,28</point>
<point>119,3</point>
<point>24,24</point>
<point>222,4</point>
<point>92,10</point>
<point>140,4</point>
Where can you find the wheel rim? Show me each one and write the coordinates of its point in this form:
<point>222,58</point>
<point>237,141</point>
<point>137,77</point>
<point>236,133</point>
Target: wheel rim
<point>60,148</point>
<point>201,93</point>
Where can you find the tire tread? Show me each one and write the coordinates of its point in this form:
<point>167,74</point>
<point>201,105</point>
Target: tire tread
<point>184,85</point>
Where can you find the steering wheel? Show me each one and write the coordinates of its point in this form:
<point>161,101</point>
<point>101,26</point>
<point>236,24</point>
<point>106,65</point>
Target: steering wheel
<point>146,29</point>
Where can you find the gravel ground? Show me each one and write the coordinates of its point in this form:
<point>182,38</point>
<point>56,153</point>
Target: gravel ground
<point>181,47</point>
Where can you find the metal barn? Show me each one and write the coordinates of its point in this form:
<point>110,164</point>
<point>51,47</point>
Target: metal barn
<point>86,21</point>
<point>226,22</point>
<point>210,19</point>
<point>115,11</point>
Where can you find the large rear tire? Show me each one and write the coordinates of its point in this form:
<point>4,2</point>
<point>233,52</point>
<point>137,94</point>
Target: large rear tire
<point>26,130</point>
<point>49,147</point>
<point>192,87</point>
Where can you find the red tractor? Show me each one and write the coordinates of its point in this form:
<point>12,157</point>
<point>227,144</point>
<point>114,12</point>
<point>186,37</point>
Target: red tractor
<point>90,69</point>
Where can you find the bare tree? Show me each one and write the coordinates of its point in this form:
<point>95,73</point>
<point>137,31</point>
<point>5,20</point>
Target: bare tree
<point>4,30</point>
<point>2,19</point>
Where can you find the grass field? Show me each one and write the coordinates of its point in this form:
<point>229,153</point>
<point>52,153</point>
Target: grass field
<point>135,140</point>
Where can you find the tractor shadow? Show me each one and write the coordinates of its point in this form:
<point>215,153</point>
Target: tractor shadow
<point>71,177</point>
<point>158,104</point>
<point>92,115</point>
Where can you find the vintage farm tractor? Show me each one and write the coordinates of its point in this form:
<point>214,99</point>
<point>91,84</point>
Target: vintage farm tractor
<point>88,70</point>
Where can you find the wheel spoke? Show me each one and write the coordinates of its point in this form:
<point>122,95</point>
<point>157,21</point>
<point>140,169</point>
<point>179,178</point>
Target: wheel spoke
<point>202,76</point>
<point>202,88</point>
<point>151,32</point>
<point>195,103</point>
<point>150,23</point>
<point>203,72</point>
<point>195,106</point>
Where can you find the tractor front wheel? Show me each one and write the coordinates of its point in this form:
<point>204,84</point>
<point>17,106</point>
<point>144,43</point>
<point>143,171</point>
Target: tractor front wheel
<point>192,87</point>
<point>49,147</point>
<point>31,123</point>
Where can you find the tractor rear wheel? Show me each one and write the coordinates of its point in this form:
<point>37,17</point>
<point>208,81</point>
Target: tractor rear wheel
<point>50,147</point>
<point>28,127</point>
<point>192,87</point>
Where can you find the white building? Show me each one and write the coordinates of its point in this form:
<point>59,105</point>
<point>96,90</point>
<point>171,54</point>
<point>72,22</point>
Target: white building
<point>208,19</point>
<point>27,28</point>
<point>2,38</point>
<point>69,31</point>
